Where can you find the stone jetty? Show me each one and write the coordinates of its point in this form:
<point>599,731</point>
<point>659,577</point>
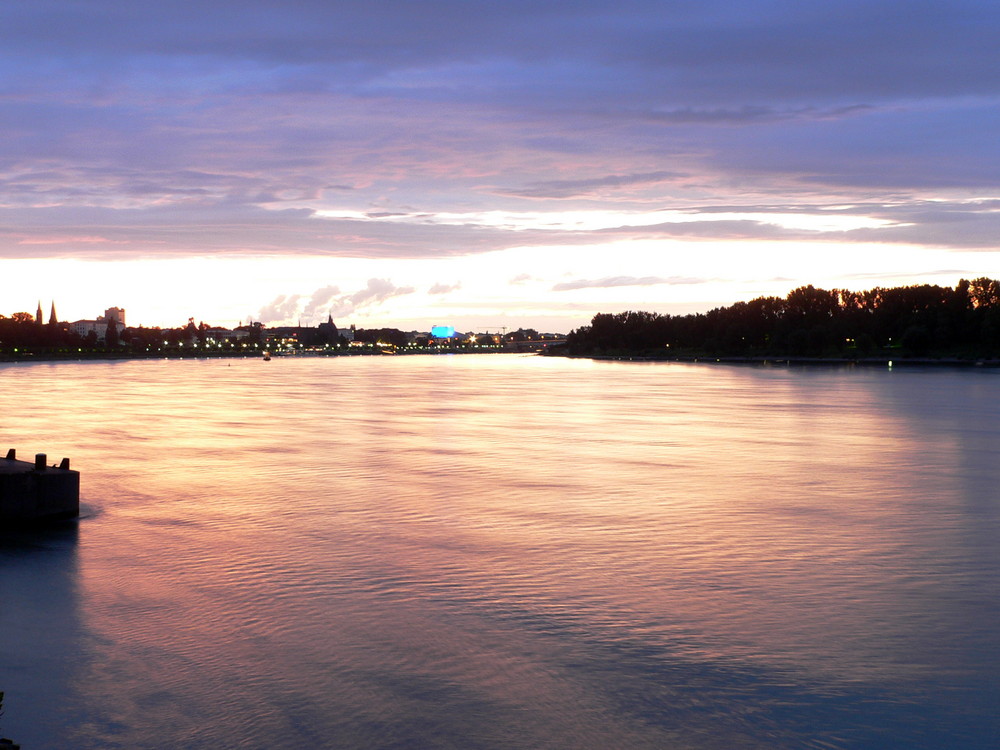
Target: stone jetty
<point>33,493</point>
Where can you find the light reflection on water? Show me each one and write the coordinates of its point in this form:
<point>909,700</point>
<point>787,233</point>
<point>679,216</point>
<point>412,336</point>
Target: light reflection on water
<point>495,551</point>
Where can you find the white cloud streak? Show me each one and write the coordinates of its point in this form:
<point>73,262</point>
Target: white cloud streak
<point>617,281</point>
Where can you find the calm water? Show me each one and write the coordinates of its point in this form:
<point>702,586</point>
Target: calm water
<point>505,552</point>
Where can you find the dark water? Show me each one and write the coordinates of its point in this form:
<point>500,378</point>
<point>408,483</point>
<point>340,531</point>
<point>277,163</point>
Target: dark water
<point>505,552</point>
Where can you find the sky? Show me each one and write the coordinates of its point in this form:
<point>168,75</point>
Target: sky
<point>488,165</point>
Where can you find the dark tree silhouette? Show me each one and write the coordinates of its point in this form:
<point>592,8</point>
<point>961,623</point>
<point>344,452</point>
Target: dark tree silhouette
<point>374,336</point>
<point>111,334</point>
<point>920,321</point>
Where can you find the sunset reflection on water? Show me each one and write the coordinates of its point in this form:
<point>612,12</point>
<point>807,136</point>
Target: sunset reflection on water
<point>498,551</point>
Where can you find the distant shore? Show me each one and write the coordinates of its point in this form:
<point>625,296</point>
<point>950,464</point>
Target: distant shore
<point>87,356</point>
<point>882,361</point>
<point>224,354</point>
<point>923,324</point>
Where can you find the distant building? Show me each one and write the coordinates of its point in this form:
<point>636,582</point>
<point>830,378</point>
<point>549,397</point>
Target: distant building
<point>218,335</point>
<point>323,335</point>
<point>327,331</point>
<point>116,314</point>
<point>99,326</point>
<point>251,331</point>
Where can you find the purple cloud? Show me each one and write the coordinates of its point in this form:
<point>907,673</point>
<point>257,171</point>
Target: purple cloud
<point>282,308</point>
<point>444,288</point>
<point>376,292</point>
<point>223,127</point>
<point>319,301</point>
<point>578,188</point>
<point>328,300</point>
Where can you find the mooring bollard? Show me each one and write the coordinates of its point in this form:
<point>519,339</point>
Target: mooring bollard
<point>40,461</point>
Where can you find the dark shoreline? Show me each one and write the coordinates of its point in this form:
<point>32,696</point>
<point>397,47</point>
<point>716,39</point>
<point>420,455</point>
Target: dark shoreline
<point>109,356</point>
<point>29,357</point>
<point>793,361</point>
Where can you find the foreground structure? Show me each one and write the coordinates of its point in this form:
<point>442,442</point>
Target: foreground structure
<point>32,493</point>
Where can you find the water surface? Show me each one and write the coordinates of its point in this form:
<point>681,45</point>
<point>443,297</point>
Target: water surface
<point>505,552</point>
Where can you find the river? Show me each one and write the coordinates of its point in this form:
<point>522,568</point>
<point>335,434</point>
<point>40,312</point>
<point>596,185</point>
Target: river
<point>498,551</point>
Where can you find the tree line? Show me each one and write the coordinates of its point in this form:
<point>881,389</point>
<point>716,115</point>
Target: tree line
<point>21,332</point>
<point>925,321</point>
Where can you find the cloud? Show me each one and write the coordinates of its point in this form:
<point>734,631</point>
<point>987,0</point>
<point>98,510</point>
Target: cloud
<point>921,274</point>
<point>616,281</point>
<point>683,53</point>
<point>281,309</point>
<point>753,114</point>
<point>230,227</point>
<point>728,229</point>
<point>444,288</point>
<point>168,132</point>
<point>577,188</point>
<point>376,292</point>
<point>328,300</point>
<point>320,298</point>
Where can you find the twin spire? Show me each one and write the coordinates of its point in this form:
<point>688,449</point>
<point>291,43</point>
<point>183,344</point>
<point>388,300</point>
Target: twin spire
<point>52,315</point>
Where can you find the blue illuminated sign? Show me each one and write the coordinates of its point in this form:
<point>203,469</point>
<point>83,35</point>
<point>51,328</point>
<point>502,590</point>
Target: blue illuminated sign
<point>442,332</point>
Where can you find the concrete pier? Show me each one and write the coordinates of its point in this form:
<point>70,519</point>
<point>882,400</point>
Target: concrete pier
<point>34,492</point>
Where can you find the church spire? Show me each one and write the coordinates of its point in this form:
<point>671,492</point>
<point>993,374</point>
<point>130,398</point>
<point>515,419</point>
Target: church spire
<point>52,315</point>
<point>38,315</point>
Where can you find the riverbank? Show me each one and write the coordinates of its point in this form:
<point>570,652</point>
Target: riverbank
<point>105,356</point>
<point>791,361</point>
<point>7,357</point>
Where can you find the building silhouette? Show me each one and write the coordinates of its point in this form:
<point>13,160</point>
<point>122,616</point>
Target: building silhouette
<point>99,327</point>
